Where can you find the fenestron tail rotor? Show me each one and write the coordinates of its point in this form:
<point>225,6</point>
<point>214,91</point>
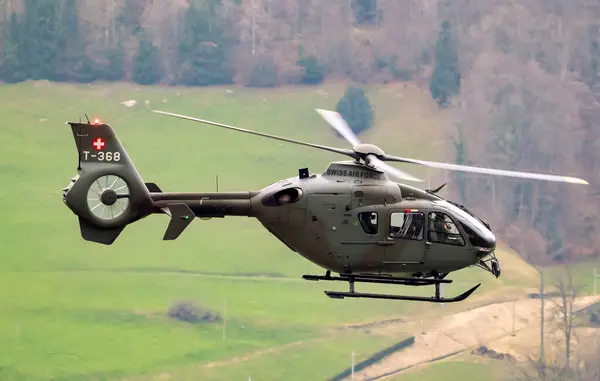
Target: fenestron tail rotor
<point>375,157</point>
<point>107,193</point>
<point>108,197</point>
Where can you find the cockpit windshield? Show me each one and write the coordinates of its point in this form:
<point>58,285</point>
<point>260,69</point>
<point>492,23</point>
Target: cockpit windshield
<point>469,212</point>
<point>472,225</point>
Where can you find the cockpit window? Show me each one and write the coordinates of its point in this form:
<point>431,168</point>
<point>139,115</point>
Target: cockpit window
<point>475,239</point>
<point>466,219</point>
<point>443,230</point>
<point>368,221</point>
<point>462,207</point>
<point>408,225</point>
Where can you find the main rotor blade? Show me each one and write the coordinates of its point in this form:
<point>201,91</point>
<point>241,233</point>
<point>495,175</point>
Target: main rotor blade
<point>336,121</point>
<point>342,151</point>
<point>401,175</point>
<point>488,171</point>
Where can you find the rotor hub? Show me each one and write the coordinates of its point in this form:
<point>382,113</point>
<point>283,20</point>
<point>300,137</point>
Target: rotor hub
<point>365,149</point>
<point>108,197</point>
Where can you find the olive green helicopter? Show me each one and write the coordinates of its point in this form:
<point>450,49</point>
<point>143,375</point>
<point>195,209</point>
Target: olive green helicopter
<point>352,219</point>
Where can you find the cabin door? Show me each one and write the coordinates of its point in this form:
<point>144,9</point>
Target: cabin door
<point>404,241</point>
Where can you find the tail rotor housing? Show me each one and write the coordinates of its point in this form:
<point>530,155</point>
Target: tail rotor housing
<point>107,193</point>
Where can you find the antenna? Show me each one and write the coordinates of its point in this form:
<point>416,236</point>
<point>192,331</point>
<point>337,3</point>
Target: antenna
<point>217,182</point>
<point>79,134</point>
<point>88,119</point>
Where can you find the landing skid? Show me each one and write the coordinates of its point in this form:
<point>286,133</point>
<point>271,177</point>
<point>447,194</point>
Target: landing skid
<point>432,299</point>
<point>351,279</point>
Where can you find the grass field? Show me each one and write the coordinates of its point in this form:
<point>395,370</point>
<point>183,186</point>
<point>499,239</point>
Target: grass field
<point>71,309</point>
<point>465,368</point>
<point>582,273</point>
<point>74,309</point>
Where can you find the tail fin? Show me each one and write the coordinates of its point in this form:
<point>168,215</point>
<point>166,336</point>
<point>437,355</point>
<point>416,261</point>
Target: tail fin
<point>108,193</point>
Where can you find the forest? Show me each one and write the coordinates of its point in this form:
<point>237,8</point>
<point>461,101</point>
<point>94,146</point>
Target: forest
<point>518,78</point>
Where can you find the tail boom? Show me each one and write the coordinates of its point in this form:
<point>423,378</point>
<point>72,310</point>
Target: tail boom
<point>208,205</point>
<point>183,207</point>
<point>108,193</point>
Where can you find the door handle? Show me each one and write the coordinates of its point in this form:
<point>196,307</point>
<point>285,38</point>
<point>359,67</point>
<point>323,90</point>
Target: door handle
<point>385,242</point>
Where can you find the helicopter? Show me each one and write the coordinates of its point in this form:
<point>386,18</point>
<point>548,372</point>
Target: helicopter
<point>352,219</point>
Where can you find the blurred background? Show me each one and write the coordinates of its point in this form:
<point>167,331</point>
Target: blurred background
<point>504,84</point>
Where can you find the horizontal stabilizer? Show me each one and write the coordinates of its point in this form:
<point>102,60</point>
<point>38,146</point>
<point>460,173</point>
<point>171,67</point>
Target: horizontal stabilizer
<point>92,233</point>
<point>153,188</point>
<point>181,217</point>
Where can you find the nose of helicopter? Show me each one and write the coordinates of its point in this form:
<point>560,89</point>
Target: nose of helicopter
<point>486,258</point>
<point>483,238</point>
<point>488,241</point>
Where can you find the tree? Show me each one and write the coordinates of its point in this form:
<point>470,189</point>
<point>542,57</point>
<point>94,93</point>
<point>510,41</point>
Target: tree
<point>314,72</point>
<point>355,108</point>
<point>263,72</point>
<point>577,365</point>
<point>72,62</point>
<point>460,159</point>
<point>364,11</point>
<point>568,293</point>
<point>115,69</point>
<point>445,81</point>
<point>146,63</point>
<point>587,366</point>
<point>131,14</point>
<point>550,367</point>
<point>204,48</point>
<point>514,115</point>
<point>40,42</point>
<point>11,70</point>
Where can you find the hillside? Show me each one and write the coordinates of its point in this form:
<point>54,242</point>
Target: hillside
<point>512,85</point>
<point>518,81</point>
<point>75,309</point>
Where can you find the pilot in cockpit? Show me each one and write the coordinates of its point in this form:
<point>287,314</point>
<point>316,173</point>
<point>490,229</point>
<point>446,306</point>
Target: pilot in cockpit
<point>441,228</point>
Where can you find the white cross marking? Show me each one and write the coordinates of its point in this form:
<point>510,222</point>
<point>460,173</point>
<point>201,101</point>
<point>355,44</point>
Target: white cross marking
<point>98,143</point>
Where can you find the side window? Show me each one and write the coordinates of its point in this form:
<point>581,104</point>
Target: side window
<point>368,221</point>
<point>408,225</point>
<point>443,230</point>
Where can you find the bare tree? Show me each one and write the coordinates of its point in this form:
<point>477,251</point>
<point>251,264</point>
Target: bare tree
<point>585,368</point>
<point>590,362</point>
<point>568,292</point>
<point>536,370</point>
<point>552,366</point>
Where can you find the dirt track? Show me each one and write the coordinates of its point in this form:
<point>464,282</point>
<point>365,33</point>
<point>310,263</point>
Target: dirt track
<point>459,331</point>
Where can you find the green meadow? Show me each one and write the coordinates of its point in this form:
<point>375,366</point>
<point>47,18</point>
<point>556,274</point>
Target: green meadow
<point>464,369</point>
<point>72,309</point>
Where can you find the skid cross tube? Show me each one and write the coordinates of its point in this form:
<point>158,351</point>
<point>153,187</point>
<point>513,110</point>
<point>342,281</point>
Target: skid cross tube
<point>375,279</point>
